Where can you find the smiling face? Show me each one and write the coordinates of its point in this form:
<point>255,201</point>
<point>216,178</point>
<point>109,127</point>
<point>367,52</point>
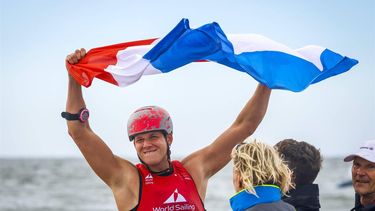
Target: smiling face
<point>152,149</point>
<point>363,177</point>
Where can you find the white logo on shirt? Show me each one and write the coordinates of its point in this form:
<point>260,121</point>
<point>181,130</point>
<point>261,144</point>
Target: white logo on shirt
<point>175,202</point>
<point>149,179</point>
<point>175,197</point>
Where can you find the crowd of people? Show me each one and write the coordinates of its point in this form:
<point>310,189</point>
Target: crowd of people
<point>274,178</point>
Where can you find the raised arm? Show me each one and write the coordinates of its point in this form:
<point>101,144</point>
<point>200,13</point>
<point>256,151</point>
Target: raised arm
<point>113,170</point>
<point>207,161</point>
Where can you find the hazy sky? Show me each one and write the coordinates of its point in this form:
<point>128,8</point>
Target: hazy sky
<point>335,115</point>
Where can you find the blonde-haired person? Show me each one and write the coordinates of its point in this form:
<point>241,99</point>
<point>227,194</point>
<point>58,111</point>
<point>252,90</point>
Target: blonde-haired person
<point>260,178</point>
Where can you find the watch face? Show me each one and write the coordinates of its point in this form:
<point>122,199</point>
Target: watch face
<point>84,115</point>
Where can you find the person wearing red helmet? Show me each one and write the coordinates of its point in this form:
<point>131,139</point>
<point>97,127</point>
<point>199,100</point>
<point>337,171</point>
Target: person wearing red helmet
<point>150,119</point>
<point>157,183</point>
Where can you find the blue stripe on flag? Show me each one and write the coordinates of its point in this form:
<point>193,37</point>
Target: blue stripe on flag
<point>275,69</point>
<point>184,45</point>
<point>333,64</point>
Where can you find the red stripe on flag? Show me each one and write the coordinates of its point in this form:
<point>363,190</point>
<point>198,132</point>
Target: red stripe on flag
<point>97,59</point>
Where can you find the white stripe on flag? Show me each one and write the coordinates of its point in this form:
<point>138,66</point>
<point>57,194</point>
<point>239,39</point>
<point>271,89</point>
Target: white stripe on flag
<point>131,65</point>
<point>255,42</point>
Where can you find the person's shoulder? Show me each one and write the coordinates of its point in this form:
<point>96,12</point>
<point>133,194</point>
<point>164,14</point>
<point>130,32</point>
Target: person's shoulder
<point>289,207</point>
<point>176,162</point>
<point>369,208</point>
<point>285,206</point>
<point>276,206</point>
<point>123,161</point>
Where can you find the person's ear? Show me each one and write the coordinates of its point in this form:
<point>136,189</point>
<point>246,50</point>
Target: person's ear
<point>170,138</point>
<point>237,181</point>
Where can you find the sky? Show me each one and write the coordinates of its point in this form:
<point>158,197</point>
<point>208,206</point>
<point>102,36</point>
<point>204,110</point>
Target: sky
<point>335,115</point>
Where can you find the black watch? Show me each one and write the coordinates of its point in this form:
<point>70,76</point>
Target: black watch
<point>82,115</point>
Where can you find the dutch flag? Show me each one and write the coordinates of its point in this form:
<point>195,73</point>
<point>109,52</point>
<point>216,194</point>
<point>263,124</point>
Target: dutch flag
<point>269,62</point>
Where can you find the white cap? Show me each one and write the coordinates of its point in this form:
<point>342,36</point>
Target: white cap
<point>366,151</point>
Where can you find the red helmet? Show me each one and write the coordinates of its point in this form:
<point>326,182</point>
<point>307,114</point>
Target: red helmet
<point>149,118</point>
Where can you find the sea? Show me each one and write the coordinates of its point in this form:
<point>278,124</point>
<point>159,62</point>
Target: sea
<point>70,185</point>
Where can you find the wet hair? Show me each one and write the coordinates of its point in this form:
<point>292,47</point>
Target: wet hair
<point>302,158</point>
<point>165,134</point>
<point>260,164</point>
